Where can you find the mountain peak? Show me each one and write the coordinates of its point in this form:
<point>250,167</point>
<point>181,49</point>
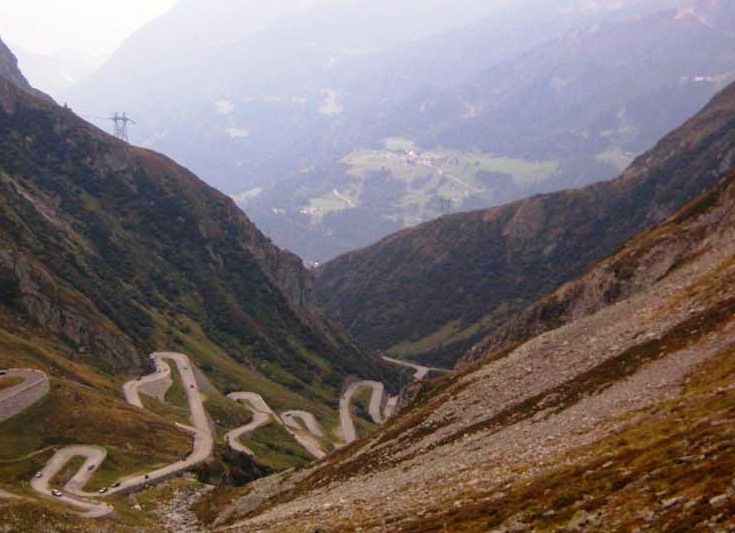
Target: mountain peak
<point>9,68</point>
<point>690,14</point>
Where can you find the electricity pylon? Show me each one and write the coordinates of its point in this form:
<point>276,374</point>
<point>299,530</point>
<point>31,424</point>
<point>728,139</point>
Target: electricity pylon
<point>121,125</point>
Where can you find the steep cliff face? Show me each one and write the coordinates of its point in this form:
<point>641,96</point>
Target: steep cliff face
<point>120,251</point>
<point>435,290</point>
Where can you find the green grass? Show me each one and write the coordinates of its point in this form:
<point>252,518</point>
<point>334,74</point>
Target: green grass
<point>431,178</point>
<point>176,395</point>
<point>67,472</point>
<point>227,414</point>
<point>459,164</point>
<point>7,382</point>
<point>165,410</point>
<point>399,144</point>
<point>232,375</point>
<point>452,332</point>
<point>331,202</point>
<point>276,448</point>
<point>408,348</point>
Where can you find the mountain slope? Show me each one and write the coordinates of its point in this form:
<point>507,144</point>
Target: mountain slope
<point>146,242</point>
<point>435,290</point>
<point>644,262</point>
<point>55,73</point>
<point>620,419</point>
<point>110,252</point>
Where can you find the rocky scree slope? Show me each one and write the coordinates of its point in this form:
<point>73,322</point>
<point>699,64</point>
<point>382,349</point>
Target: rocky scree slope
<point>620,419</point>
<point>642,263</point>
<point>119,250</point>
<point>435,290</point>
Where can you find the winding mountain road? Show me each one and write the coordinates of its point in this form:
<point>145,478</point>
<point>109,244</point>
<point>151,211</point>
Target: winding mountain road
<point>292,418</point>
<point>420,371</point>
<point>203,438</point>
<point>302,425</point>
<point>14,400</point>
<point>305,428</point>
<point>263,414</point>
<point>74,494</point>
<point>377,399</point>
<point>154,385</point>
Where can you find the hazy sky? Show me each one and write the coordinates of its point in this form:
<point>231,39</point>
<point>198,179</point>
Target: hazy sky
<point>50,26</point>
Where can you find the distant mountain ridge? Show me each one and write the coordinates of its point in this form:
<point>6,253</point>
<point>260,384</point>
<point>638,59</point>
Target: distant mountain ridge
<point>435,290</point>
<point>309,119</point>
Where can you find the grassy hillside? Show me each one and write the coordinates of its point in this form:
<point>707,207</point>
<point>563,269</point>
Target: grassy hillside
<point>83,406</point>
<point>109,252</point>
<point>121,251</point>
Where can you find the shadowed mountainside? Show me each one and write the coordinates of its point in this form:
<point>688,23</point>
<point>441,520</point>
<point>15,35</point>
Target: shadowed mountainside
<point>120,250</point>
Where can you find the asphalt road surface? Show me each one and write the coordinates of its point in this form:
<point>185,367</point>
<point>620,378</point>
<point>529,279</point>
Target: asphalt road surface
<point>349,434</point>
<point>14,400</point>
<point>73,492</point>
<point>262,414</point>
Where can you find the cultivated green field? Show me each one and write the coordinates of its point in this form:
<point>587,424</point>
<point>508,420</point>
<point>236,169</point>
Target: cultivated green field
<point>434,182</point>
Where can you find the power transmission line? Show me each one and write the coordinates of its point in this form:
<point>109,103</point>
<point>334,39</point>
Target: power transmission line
<point>445,204</point>
<point>120,128</point>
